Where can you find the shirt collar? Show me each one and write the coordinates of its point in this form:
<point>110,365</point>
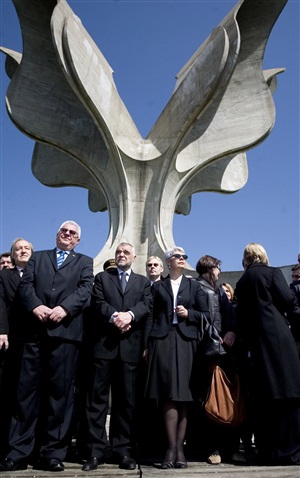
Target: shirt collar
<point>120,271</point>
<point>58,251</point>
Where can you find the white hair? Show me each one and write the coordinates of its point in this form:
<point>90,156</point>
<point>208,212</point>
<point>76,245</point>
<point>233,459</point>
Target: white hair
<point>170,252</point>
<point>74,224</point>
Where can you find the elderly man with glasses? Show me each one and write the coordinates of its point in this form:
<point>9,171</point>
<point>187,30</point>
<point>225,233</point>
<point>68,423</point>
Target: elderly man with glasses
<point>54,290</point>
<point>154,268</point>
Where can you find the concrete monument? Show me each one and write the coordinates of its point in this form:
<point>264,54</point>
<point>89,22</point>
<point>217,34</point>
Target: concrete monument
<point>62,94</point>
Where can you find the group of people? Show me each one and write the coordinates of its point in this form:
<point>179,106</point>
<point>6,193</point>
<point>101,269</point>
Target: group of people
<point>122,338</point>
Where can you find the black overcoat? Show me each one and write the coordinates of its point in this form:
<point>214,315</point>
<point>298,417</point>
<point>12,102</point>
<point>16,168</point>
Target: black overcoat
<point>263,298</point>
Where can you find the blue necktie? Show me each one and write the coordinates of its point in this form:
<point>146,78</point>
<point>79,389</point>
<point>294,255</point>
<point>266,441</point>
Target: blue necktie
<point>123,281</point>
<point>60,258</point>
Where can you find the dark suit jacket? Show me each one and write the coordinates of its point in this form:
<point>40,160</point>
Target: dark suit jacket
<point>107,298</point>
<point>191,296</point>
<point>9,305</point>
<point>69,286</point>
<point>263,298</point>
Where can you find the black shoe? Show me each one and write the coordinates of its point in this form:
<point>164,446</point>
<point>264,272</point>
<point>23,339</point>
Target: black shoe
<point>11,465</point>
<point>126,462</point>
<point>54,464</point>
<point>91,464</point>
<point>167,465</point>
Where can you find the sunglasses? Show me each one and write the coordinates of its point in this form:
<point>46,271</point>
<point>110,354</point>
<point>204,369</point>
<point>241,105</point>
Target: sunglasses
<point>70,231</point>
<point>179,256</point>
<point>154,265</point>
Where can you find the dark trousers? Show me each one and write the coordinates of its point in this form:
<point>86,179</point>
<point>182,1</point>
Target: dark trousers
<point>45,399</point>
<point>10,361</point>
<point>122,378</point>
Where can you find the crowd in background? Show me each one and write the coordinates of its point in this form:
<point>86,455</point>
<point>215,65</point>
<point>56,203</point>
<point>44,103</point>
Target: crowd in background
<point>120,364</point>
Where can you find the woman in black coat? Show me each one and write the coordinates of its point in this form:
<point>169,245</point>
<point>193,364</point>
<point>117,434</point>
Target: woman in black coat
<point>263,299</point>
<point>172,338</point>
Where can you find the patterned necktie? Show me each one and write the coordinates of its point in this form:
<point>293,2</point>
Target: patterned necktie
<point>60,258</point>
<point>123,281</point>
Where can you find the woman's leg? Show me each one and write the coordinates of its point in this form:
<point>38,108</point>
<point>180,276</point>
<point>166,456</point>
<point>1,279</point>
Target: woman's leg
<point>181,430</point>
<point>175,417</point>
<point>171,423</point>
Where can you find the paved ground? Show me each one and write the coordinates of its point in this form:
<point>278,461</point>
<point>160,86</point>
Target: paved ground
<point>195,469</point>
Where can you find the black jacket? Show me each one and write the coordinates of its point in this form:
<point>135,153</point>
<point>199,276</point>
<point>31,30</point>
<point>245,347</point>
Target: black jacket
<point>221,313</point>
<point>107,298</point>
<point>263,298</point>
<point>190,296</point>
<point>69,286</point>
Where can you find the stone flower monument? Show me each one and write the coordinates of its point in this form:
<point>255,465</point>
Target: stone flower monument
<point>62,94</point>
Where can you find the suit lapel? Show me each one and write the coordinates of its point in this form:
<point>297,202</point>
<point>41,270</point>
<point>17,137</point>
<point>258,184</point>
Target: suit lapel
<point>131,281</point>
<point>167,285</point>
<point>71,256</point>
<point>115,278</point>
<point>15,276</point>
<point>184,283</point>
<point>52,256</point>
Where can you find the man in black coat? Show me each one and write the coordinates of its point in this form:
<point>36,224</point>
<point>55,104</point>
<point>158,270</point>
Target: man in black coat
<point>120,304</point>
<point>54,290</point>
<point>11,312</point>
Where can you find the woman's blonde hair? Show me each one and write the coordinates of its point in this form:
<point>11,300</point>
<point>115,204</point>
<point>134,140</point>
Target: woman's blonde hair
<point>230,288</point>
<point>255,253</point>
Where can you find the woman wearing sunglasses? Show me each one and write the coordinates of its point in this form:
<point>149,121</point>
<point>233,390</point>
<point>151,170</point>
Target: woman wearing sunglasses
<point>179,309</point>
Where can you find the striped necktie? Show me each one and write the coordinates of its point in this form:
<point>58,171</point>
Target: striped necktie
<point>60,258</point>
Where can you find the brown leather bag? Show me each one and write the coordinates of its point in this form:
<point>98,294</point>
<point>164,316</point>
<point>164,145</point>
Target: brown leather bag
<point>225,404</point>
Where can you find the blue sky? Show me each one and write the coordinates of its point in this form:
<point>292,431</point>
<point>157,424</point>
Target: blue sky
<point>147,43</point>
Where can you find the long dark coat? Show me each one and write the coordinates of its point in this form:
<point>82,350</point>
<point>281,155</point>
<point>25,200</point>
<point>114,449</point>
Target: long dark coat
<point>263,297</point>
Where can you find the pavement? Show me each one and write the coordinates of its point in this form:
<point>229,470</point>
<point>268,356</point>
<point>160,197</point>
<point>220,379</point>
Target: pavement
<point>195,469</point>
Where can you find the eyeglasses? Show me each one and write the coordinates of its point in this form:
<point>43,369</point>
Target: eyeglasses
<point>295,277</point>
<point>152,265</point>
<point>179,256</point>
<point>70,231</point>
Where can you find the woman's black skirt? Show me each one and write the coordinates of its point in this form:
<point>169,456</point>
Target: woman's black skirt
<point>170,366</point>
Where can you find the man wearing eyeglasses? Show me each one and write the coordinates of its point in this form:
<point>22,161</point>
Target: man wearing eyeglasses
<point>54,289</point>
<point>154,268</point>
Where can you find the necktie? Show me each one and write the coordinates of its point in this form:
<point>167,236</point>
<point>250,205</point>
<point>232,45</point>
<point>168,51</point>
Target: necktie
<point>21,272</point>
<point>60,258</point>
<point>123,281</point>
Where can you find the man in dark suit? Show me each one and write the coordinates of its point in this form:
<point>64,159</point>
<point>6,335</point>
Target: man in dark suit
<point>5,261</point>
<point>121,302</point>
<point>54,290</point>
<point>154,268</point>
<point>10,313</point>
